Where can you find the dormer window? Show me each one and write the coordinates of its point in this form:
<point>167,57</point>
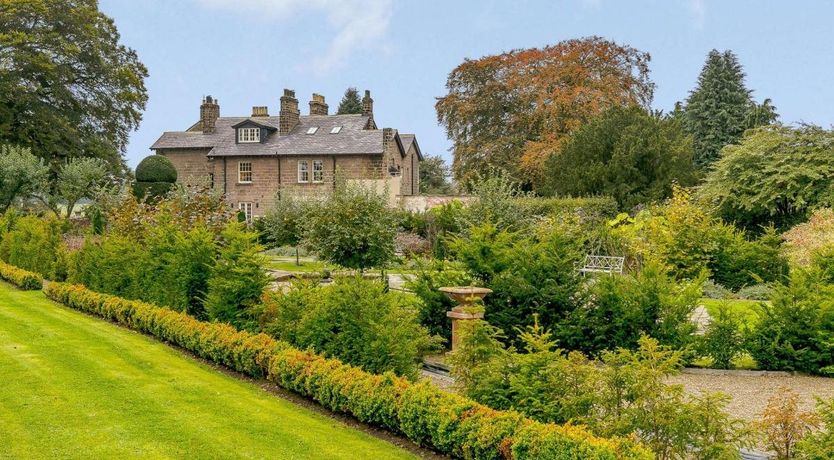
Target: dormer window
<point>336,130</point>
<point>313,130</point>
<point>248,135</point>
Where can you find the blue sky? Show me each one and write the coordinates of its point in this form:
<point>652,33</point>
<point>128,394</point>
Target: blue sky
<point>244,52</point>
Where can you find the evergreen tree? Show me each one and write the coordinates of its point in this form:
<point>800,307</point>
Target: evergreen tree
<point>350,102</point>
<point>719,109</point>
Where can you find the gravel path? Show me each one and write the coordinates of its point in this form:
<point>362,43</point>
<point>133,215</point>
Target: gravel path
<point>750,391</point>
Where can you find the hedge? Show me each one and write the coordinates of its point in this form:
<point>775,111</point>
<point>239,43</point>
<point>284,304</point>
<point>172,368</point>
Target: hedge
<point>595,208</point>
<point>445,422</point>
<point>21,278</point>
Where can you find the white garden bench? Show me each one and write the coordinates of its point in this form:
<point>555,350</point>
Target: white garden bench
<point>602,264</point>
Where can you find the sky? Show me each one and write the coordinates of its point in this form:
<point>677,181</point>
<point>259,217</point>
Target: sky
<point>245,52</point>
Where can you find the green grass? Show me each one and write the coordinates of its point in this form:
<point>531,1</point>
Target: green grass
<point>72,386</point>
<point>745,310</point>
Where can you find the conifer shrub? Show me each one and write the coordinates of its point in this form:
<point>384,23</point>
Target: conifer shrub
<point>23,279</point>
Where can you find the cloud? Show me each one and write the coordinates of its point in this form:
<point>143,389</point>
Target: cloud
<point>698,9</point>
<point>357,24</point>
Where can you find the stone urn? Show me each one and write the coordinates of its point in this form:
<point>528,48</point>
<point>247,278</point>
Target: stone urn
<point>469,307</point>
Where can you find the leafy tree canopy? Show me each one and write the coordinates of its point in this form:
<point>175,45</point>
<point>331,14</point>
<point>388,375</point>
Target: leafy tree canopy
<point>80,178</point>
<point>350,102</point>
<point>354,228</point>
<point>22,175</point>
<point>626,153</point>
<point>434,176</point>
<point>511,111</point>
<point>68,88</point>
<point>775,175</point>
<point>721,107</point>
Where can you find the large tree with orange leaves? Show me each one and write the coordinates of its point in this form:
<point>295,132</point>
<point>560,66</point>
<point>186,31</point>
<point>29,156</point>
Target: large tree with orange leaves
<point>511,111</point>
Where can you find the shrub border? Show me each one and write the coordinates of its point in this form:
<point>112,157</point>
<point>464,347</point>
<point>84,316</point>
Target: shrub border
<point>23,279</point>
<point>448,423</point>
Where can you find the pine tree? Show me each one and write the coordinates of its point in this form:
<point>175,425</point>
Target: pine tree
<point>350,102</point>
<point>718,110</point>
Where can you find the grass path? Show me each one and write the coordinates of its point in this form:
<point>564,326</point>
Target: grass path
<point>72,386</point>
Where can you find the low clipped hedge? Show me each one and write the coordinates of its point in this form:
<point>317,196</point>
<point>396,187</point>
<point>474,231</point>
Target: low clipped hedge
<point>445,422</point>
<point>21,278</point>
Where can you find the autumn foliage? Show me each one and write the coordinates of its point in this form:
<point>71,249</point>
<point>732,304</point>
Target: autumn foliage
<point>512,111</point>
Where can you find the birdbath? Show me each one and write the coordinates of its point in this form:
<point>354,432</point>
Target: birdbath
<point>468,308</point>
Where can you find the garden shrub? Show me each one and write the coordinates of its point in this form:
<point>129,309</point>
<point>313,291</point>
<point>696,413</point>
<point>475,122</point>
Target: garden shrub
<point>155,176</point>
<point>596,209</point>
<point>795,331</point>
<point>755,292</point>
<point>33,243</point>
<point>354,320</point>
<point>819,445</point>
<point>430,276</point>
<point>237,279</point>
<point>722,341</point>
<point>530,273</point>
<point>453,425</point>
<point>712,290</point>
<point>617,310</point>
<point>354,228</point>
<point>111,264</point>
<point>740,262</point>
<point>23,279</point>
<point>441,223</point>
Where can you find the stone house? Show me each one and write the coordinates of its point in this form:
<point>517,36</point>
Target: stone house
<point>254,159</point>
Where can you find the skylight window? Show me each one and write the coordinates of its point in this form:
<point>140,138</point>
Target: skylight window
<point>313,130</point>
<point>336,130</point>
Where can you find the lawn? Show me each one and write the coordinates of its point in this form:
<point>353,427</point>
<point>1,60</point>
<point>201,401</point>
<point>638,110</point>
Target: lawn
<point>79,387</point>
<point>744,310</point>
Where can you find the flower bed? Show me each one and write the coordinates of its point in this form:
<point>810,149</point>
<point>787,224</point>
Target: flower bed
<point>448,423</point>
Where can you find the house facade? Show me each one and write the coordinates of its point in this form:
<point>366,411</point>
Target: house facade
<point>254,160</point>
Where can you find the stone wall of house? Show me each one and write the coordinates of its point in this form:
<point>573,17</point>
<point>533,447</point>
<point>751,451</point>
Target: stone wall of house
<point>411,172</point>
<point>422,203</point>
<point>192,165</point>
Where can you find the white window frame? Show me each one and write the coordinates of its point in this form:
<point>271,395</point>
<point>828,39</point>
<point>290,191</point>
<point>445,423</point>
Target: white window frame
<point>246,207</point>
<point>318,171</point>
<point>248,135</point>
<point>244,169</point>
<point>303,171</point>
<point>312,130</point>
<point>336,130</point>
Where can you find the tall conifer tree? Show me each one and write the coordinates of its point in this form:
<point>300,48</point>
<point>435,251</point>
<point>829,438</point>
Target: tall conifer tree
<point>350,102</point>
<point>721,108</point>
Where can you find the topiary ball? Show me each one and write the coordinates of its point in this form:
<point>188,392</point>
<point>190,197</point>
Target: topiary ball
<point>156,168</point>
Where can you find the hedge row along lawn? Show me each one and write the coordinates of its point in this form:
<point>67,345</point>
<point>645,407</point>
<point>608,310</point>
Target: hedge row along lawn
<point>78,387</point>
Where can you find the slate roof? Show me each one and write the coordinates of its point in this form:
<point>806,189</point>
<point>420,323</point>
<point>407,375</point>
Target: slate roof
<point>352,139</point>
<point>407,140</point>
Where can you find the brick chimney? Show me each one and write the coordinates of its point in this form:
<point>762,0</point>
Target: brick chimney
<point>260,111</point>
<point>317,105</point>
<point>368,104</point>
<point>209,112</point>
<point>288,114</point>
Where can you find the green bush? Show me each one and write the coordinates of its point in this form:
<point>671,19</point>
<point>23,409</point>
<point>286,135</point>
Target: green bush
<point>591,209</point>
<point>739,262</point>
<point>23,279</point>
<point>237,279</point>
<point>530,273</point>
<point>619,309</point>
<point>111,264</point>
<point>794,332</point>
<point>432,275</point>
<point>155,176</point>
<point>457,426</point>
<point>156,168</point>
<point>34,244</point>
<point>354,320</point>
<point>354,228</point>
<point>819,445</point>
<point>722,340</point>
<point>755,292</point>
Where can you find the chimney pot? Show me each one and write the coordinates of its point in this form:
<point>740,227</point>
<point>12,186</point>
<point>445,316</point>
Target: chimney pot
<point>368,104</point>
<point>288,114</point>
<point>260,111</point>
<point>209,113</point>
<point>317,105</point>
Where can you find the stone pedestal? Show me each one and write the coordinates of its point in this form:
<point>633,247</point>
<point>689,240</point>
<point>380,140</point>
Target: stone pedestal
<point>468,307</point>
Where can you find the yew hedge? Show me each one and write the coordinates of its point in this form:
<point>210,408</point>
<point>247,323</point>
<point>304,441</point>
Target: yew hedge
<point>445,422</point>
<point>21,278</point>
